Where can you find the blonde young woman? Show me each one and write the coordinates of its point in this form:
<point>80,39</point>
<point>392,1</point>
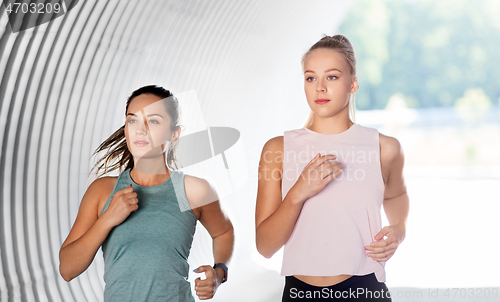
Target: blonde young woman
<point>321,189</point>
<point>145,218</point>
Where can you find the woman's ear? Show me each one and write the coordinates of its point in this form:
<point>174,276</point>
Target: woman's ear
<point>176,134</point>
<point>354,85</point>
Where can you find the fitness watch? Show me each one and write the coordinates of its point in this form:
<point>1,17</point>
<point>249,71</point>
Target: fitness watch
<point>224,267</point>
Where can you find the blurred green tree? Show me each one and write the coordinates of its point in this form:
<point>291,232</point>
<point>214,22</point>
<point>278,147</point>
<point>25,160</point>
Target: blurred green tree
<point>473,105</point>
<point>430,51</point>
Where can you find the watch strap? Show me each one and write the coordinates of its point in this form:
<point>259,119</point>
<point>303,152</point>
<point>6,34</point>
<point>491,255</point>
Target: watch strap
<point>224,267</point>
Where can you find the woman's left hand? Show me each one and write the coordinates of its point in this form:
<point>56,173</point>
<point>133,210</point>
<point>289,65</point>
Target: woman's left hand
<point>205,289</point>
<point>384,249</point>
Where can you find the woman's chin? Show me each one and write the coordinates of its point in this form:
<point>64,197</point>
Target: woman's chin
<point>147,154</point>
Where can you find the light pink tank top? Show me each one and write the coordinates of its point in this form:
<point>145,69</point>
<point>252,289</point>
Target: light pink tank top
<point>336,224</point>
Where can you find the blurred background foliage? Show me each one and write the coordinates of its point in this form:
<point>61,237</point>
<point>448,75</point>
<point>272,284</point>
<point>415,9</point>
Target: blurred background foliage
<point>429,53</point>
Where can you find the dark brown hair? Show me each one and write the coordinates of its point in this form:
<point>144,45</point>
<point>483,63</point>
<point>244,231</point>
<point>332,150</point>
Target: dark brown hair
<point>117,154</point>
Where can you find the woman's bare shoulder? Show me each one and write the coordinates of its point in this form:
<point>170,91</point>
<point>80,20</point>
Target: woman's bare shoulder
<point>390,148</point>
<point>272,152</point>
<point>274,144</point>
<point>391,156</point>
<point>196,183</point>
<point>102,188</point>
<point>104,183</point>
<point>199,193</point>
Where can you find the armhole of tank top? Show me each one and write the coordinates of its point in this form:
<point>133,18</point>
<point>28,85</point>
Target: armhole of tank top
<point>381,177</point>
<point>105,207</point>
<point>180,191</point>
<point>283,164</point>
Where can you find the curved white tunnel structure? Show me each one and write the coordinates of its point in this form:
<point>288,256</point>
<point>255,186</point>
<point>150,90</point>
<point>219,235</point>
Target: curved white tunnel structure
<point>63,90</point>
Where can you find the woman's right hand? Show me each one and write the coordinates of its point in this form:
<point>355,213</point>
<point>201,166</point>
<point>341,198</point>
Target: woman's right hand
<point>320,171</point>
<point>120,206</point>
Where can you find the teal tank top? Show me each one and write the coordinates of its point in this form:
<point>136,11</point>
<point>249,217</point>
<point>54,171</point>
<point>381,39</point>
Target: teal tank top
<point>145,257</point>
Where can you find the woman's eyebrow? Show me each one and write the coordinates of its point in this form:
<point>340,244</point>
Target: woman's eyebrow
<point>333,69</point>
<point>328,70</point>
<point>153,114</point>
<point>149,115</point>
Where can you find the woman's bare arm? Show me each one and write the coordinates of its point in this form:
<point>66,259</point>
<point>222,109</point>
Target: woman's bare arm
<point>220,228</point>
<point>89,230</point>
<point>275,218</point>
<point>86,236</point>
<point>396,201</point>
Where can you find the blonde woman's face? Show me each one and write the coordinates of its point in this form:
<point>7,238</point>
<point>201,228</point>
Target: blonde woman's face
<point>328,83</point>
<point>147,126</point>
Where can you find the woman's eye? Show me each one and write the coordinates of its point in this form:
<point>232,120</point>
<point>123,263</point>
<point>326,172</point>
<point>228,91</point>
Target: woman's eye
<point>310,79</point>
<point>131,121</point>
<point>332,77</point>
<point>153,122</point>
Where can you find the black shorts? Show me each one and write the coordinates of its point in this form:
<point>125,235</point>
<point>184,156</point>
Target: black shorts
<point>355,288</point>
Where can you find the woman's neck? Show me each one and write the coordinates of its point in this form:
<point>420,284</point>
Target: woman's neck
<point>149,171</point>
<point>330,126</point>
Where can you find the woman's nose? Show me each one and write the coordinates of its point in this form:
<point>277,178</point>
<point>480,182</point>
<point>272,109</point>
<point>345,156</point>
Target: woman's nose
<point>321,87</point>
<point>140,128</point>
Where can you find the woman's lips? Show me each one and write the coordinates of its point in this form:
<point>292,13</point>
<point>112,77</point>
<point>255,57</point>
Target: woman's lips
<point>321,101</point>
<point>141,143</point>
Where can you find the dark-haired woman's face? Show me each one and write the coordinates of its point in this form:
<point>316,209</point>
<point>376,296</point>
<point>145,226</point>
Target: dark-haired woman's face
<point>147,126</point>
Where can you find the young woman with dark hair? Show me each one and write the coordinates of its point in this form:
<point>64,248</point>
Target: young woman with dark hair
<point>145,218</point>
